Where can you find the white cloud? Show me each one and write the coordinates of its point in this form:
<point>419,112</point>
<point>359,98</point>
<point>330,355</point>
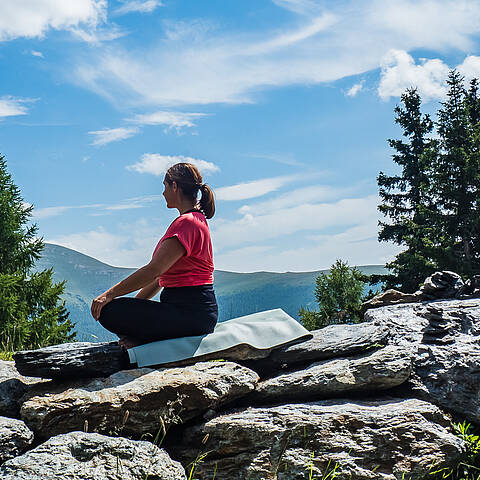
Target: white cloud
<point>255,188</point>
<point>177,120</point>
<point>347,38</point>
<point>12,106</point>
<point>470,67</point>
<point>400,72</point>
<point>36,53</point>
<point>297,6</point>
<point>34,18</point>
<point>141,6</point>
<point>157,164</point>
<point>355,89</point>
<point>108,135</point>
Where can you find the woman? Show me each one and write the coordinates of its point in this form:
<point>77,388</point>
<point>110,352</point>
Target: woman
<point>182,263</point>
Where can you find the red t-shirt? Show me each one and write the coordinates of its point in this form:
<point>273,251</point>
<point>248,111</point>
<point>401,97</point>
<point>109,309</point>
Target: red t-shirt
<point>196,266</point>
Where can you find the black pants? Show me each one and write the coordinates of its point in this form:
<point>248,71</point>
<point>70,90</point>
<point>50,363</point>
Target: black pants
<point>181,312</point>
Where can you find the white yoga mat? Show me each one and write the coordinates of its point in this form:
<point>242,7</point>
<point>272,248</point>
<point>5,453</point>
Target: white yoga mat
<point>262,330</point>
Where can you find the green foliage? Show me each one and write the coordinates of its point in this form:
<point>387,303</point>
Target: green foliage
<point>339,297</point>
<point>31,312</point>
<point>433,205</point>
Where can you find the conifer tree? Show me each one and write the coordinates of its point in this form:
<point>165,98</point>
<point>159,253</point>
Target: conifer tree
<point>406,198</point>
<point>457,178</point>
<point>32,314</point>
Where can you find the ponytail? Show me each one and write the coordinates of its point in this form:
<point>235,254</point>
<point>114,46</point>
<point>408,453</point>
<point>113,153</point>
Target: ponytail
<point>207,201</point>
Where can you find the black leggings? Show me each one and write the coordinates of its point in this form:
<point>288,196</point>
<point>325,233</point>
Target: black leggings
<point>181,312</point>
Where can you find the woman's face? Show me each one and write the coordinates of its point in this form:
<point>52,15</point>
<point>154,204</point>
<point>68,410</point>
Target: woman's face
<point>169,192</point>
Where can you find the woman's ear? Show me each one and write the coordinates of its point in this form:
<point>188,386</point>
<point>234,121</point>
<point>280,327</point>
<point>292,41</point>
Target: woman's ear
<point>174,186</point>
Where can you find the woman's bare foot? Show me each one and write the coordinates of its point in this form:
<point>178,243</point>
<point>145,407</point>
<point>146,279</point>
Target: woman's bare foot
<point>127,342</point>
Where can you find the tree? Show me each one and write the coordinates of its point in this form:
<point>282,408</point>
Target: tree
<point>339,297</point>
<point>32,314</point>
<point>406,197</point>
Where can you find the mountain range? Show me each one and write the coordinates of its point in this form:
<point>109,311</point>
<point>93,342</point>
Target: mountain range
<point>237,293</point>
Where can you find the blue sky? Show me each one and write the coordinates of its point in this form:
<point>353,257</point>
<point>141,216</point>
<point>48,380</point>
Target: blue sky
<point>285,106</point>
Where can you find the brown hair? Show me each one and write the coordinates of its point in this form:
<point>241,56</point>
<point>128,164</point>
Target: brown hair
<point>189,180</point>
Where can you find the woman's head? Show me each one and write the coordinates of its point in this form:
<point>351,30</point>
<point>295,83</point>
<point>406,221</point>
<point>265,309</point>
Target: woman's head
<point>190,182</point>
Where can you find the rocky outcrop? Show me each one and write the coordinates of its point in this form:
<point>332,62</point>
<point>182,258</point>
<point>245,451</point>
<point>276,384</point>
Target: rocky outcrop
<point>381,370</point>
<point>15,438</point>
<point>286,416</point>
<point>367,440</point>
<point>81,456</point>
<point>151,397</point>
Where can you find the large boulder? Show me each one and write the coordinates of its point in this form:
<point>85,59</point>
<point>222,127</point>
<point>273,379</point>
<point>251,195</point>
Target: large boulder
<point>380,370</point>
<point>85,456</point>
<point>12,388</point>
<point>15,438</point>
<point>150,396</point>
<point>329,342</point>
<point>444,338</point>
<point>362,440</point>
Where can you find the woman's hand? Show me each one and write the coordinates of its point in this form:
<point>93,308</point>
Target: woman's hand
<point>99,302</point>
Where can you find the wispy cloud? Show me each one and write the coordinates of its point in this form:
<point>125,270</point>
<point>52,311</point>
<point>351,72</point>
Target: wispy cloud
<point>177,120</point>
<point>298,6</point>
<point>157,164</point>
<point>34,19</point>
<point>355,89</point>
<point>253,189</point>
<point>139,6</point>
<point>108,135</point>
<point>36,53</point>
<point>12,106</point>
<point>345,38</point>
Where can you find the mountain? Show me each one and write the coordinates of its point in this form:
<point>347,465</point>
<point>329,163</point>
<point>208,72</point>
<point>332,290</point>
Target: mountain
<point>237,293</point>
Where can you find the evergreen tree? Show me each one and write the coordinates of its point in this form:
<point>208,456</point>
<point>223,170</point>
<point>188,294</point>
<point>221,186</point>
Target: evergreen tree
<point>406,198</point>
<point>31,312</point>
<point>339,297</point>
<point>457,179</point>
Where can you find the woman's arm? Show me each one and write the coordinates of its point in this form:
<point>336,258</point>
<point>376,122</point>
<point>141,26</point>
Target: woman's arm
<point>169,252</point>
<point>149,291</point>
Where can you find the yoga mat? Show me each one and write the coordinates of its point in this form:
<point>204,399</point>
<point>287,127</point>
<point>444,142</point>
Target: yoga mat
<point>262,330</point>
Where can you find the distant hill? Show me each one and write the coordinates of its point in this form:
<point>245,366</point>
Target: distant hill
<point>237,293</point>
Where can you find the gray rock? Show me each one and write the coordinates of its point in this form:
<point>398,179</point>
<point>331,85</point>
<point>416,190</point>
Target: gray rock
<point>15,437</point>
<point>442,285</point>
<point>88,456</point>
<point>367,440</point>
<point>329,342</point>
<point>391,297</point>
<point>12,387</point>
<point>444,338</point>
<point>380,370</point>
<point>150,396</point>
<point>72,360</point>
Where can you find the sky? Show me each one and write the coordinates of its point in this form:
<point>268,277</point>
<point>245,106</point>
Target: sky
<point>284,105</point>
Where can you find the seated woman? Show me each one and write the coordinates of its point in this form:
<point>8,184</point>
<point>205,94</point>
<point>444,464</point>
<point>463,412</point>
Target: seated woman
<point>182,263</point>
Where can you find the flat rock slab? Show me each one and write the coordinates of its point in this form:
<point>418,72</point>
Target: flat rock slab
<point>169,395</point>
<point>15,437</point>
<point>72,360</point>
<point>361,440</point>
<point>380,370</point>
<point>329,342</point>
<point>12,388</point>
<point>82,456</point>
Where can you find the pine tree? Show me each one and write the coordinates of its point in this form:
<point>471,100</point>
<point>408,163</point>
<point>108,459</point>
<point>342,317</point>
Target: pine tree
<point>339,297</point>
<point>407,200</point>
<point>457,178</point>
<point>32,314</point>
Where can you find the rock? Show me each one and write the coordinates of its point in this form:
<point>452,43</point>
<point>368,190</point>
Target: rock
<point>367,440</point>
<point>15,438</point>
<point>441,285</point>
<point>391,297</point>
<point>72,360</point>
<point>82,456</point>
<point>12,387</point>
<point>329,342</point>
<point>444,338</point>
<point>150,396</point>
<point>380,370</point>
